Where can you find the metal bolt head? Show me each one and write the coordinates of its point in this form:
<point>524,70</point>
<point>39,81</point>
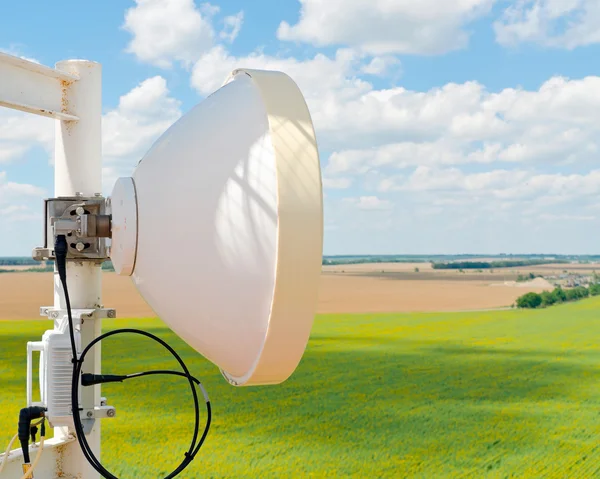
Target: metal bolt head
<point>80,246</point>
<point>110,412</point>
<point>111,313</point>
<point>79,210</point>
<point>90,414</point>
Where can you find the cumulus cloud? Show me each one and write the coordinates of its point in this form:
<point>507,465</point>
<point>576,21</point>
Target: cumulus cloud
<point>466,124</point>
<point>553,23</point>
<point>232,27</point>
<point>317,77</point>
<point>383,26</point>
<point>129,130</point>
<point>19,132</point>
<point>167,31</point>
<point>14,198</point>
<point>381,65</point>
<point>369,203</point>
<point>337,183</point>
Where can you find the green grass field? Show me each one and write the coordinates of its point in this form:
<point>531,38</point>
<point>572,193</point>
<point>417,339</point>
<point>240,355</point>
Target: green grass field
<point>496,394</point>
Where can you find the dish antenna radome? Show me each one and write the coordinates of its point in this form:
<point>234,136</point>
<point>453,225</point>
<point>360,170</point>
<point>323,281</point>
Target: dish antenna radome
<point>221,227</point>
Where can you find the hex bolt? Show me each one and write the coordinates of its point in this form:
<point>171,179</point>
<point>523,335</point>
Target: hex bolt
<point>110,412</point>
<point>111,313</point>
<point>90,414</point>
<point>79,210</point>
<point>80,246</point>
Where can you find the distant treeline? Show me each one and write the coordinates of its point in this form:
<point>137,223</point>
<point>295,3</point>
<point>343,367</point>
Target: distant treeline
<point>460,261</point>
<point>373,259</point>
<point>33,269</point>
<point>495,264</point>
<point>557,296</point>
<point>17,261</point>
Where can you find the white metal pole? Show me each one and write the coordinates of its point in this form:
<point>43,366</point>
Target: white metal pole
<point>78,171</point>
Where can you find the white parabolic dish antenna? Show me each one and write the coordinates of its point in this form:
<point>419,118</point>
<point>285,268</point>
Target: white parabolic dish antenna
<point>221,227</point>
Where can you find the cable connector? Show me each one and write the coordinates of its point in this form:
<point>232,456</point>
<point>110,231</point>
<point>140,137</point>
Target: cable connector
<point>60,253</point>
<point>26,415</point>
<point>91,379</point>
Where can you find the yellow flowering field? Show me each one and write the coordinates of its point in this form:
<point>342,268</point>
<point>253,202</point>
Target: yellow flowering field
<point>499,394</point>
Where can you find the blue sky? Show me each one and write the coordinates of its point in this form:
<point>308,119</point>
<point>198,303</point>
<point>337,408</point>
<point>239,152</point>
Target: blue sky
<point>454,127</point>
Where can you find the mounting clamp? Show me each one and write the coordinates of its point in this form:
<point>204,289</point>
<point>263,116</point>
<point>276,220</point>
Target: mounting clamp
<point>84,221</point>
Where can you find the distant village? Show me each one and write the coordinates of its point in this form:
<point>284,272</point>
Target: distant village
<point>572,280</point>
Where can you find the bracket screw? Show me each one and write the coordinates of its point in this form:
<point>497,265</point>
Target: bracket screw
<point>90,414</point>
<point>79,210</point>
<point>80,246</point>
<point>110,413</point>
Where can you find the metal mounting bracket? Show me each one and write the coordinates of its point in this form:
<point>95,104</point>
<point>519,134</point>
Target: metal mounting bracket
<point>85,221</point>
<point>98,313</point>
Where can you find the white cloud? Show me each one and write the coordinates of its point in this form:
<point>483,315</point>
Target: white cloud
<point>12,193</point>
<point>380,65</point>
<point>9,210</point>
<point>165,31</point>
<point>464,124</point>
<point>321,77</point>
<point>19,132</point>
<point>233,25</point>
<point>384,26</point>
<point>554,23</point>
<point>369,203</point>
<point>518,192</point>
<point>143,114</point>
<point>18,214</point>
<point>337,183</point>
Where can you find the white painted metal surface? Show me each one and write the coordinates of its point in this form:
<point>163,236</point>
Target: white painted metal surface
<point>240,196</point>
<point>57,453</point>
<point>34,88</point>
<point>124,226</point>
<point>78,169</point>
<point>78,146</point>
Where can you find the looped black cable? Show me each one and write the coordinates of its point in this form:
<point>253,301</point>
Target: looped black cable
<point>60,254</point>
